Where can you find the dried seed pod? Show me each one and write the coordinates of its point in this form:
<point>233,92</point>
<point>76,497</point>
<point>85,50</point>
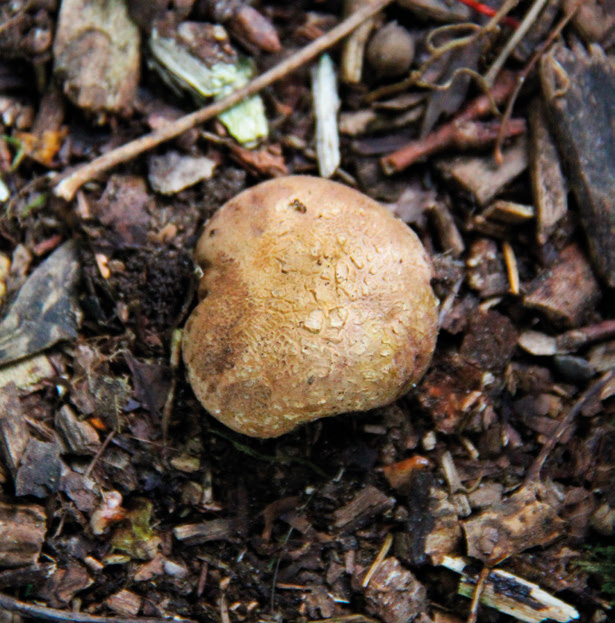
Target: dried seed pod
<point>390,51</point>
<point>315,301</point>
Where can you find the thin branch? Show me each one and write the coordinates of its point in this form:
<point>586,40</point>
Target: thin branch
<point>68,186</point>
<point>52,614</point>
<point>444,136</point>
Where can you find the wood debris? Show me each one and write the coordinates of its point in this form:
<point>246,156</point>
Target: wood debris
<point>326,106</point>
<point>22,530</point>
<point>527,518</point>
<point>482,177</point>
<point>504,451</point>
<point>579,89</point>
<point>14,434</point>
<point>67,583</point>
<point>489,341</point>
<point>486,270</point>
<point>97,54</point>
<point>80,436</point>
<point>40,469</point>
<point>440,10</point>
<point>511,594</point>
<point>462,133</point>
<point>353,50</point>
<point>509,212</point>
<point>367,504</point>
<point>170,173</point>
<point>433,528</point>
<point>192,59</point>
<point>548,183</point>
<point>213,530</point>
<point>393,594</point>
<point>567,292</point>
<point>27,374</point>
<point>45,311</point>
<point>450,238</point>
<point>451,392</point>
<point>125,603</point>
<point>593,18</point>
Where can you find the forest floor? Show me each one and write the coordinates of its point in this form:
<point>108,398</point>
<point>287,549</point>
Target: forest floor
<point>490,133</point>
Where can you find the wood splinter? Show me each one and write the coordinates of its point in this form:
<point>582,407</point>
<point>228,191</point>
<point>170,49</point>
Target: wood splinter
<point>511,594</point>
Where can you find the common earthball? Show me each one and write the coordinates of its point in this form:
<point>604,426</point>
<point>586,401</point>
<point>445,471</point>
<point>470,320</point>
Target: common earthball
<point>314,301</point>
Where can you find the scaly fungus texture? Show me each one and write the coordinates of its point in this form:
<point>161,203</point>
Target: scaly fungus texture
<point>315,301</point>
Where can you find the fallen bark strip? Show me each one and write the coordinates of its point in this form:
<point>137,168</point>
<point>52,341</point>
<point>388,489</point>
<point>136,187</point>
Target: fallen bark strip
<point>68,186</point>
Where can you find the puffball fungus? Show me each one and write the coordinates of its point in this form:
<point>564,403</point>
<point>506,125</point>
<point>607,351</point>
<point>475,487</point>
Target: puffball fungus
<point>315,301</point>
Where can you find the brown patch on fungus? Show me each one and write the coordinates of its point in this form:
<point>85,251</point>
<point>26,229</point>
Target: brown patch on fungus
<point>310,312</point>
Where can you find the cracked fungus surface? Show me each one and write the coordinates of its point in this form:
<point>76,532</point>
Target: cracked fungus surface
<point>314,301</point>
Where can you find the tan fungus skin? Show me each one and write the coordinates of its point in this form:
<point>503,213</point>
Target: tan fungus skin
<point>315,301</point>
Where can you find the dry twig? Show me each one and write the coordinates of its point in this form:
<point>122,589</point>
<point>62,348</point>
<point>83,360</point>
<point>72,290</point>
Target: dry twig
<point>446,135</point>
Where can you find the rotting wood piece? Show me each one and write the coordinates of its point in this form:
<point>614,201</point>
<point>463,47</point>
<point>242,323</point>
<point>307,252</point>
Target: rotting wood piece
<point>125,603</point>
<point>511,594</point>
<point>451,392</point>
<point>567,292</point>
<point>490,340</point>
<point>40,469</point>
<point>22,530</point>
<point>579,89</point>
<point>80,436</point>
<point>433,527</point>
<point>486,270</point>
<point>23,576</point>
<point>393,594</point>
<point>526,519</point>
<point>543,345</point>
<point>450,238</point>
<point>364,506</point>
<point>548,184</point>
<point>214,530</point>
<point>481,176</point>
<point>14,435</point>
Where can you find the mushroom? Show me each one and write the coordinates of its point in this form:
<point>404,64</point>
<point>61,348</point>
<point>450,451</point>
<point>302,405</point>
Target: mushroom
<point>314,301</point>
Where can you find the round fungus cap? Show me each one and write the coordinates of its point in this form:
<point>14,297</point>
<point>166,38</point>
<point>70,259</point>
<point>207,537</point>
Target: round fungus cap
<point>314,301</point>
